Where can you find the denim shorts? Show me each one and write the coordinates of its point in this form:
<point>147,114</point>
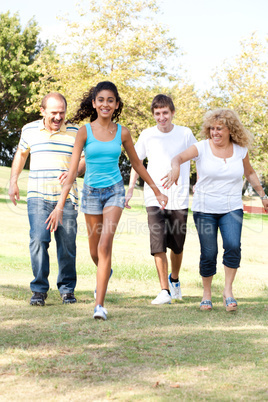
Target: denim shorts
<point>94,200</point>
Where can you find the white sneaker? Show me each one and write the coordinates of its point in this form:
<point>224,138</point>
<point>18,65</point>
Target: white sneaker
<point>175,289</point>
<point>100,312</point>
<point>162,298</point>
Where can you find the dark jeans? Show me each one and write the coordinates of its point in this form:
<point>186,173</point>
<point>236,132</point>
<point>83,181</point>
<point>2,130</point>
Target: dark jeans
<point>40,237</point>
<point>230,225</point>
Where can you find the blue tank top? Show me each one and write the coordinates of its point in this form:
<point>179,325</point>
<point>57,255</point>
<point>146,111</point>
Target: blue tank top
<point>102,168</point>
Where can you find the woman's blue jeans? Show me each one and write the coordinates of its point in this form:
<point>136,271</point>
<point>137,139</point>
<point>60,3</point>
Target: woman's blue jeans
<point>40,237</point>
<point>230,225</point>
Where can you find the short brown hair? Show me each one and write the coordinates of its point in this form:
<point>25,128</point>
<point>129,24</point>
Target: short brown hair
<point>52,95</point>
<point>160,101</point>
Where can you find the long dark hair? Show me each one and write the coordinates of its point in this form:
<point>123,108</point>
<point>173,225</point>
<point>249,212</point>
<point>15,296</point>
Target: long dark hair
<point>86,108</point>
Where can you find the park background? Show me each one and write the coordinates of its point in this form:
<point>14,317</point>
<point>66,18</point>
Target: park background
<point>142,352</point>
<point>205,54</point>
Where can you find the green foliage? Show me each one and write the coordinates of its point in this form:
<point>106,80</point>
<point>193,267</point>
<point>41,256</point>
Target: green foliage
<point>121,41</point>
<point>116,40</point>
<point>46,65</point>
<point>142,352</point>
<point>242,85</point>
<point>121,35</point>
<point>18,49</point>
<point>189,110</point>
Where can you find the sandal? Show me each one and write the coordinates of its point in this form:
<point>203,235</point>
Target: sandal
<point>206,305</point>
<point>230,303</point>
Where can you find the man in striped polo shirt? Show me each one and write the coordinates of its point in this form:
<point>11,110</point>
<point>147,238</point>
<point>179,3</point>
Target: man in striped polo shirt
<point>50,142</point>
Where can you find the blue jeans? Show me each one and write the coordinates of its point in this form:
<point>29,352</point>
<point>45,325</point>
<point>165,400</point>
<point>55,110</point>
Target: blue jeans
<point>230,225</point>
<point>40,237</point>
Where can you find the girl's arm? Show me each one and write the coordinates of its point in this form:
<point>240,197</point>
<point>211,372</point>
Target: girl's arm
<point>132,181</point>
<point>81,170</point>
<point>139,168</point>
<point>252,178</point>
<point>174,174</point>
<point>56,214</point>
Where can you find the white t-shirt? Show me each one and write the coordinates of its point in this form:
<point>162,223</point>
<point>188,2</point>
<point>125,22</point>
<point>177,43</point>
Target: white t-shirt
<point>160,148</point>
<point>219,186</point>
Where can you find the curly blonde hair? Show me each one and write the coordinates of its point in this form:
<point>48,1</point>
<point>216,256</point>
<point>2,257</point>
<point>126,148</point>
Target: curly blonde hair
<point>238,133</point>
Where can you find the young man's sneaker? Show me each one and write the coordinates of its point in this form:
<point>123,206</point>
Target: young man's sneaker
<point>38,299</point>
<point>100,313</point>
<point>95,291</point>
<point>162,298</point>
<point>175,289</point>
<point>68,298</point>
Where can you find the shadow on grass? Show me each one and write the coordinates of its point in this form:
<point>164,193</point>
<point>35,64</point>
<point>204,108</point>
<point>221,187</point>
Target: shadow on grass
<point>16,292</point>
<point>137,343</point>
<point>257,306</point>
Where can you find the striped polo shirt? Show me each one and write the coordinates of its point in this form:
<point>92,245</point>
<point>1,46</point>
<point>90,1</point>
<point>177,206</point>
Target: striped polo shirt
<point>50,156</point>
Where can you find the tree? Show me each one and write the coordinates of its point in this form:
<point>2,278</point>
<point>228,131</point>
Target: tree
<point>189,109</point>
<point>242,85</point>
<point>121,41</point>
<point>18,49</point>
<point>117,40</point>
<point>121,36</point>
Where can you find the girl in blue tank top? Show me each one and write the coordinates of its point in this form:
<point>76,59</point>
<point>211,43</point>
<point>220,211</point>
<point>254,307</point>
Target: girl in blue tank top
<point>103,194</point>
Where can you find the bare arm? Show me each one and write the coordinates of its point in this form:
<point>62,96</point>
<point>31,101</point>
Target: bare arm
<point>56,214</point>
<point>173,176</point>
<point>139,168</point>
<point>132,181</point>
<point>81,166</point>
<point>81,170</point>
<point>252,178</point>
<point>17,166</point>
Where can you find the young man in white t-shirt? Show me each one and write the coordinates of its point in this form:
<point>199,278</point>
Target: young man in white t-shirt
<point>167,227</point>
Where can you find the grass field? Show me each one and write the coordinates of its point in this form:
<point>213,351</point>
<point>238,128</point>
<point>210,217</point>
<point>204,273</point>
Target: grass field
<point>142,352</point>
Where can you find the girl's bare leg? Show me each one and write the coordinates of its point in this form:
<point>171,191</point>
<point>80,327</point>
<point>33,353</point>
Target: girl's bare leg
<point>111,216</point>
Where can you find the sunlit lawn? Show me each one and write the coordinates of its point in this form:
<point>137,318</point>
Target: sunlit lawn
<point>142,352</point>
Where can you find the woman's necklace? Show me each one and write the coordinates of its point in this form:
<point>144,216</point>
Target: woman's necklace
<point>110,131</point>
<point>219,151</point>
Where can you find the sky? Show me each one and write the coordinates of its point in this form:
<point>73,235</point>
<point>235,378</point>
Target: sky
<point>207,31</point>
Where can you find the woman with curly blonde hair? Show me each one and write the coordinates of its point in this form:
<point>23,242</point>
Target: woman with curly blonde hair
<point>238,133</point>
<point>221,161</point>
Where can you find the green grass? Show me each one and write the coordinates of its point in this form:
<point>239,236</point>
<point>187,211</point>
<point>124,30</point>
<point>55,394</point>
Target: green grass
<point>142,352</point>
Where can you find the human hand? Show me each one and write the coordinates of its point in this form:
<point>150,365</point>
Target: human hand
<point>163,200</point>
<point>265,204</point>
<point>14,193</point>
<point>171,178</point>
<point>54,218</point>
<point>128,198</point>
<point>62,177</point>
